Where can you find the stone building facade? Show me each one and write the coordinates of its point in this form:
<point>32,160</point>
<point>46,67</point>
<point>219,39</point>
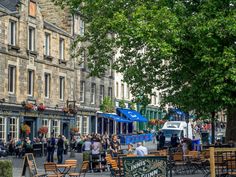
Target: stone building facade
<point>36,68</point>
<point>91,90</point>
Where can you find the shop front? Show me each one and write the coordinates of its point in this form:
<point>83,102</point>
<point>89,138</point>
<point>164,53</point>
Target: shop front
<point>16,122</point>
<point>111,123</point>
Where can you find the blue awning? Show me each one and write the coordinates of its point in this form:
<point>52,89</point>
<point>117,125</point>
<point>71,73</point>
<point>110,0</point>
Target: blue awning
<point>132,115</point>
<point>178,111</point>
<point>114,117</point>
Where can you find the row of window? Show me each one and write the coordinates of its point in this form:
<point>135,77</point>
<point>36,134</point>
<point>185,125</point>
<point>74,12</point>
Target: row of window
<point>94,92</point>
<point>32,40</point>
<point>31,81</point>
<point>122,91</point>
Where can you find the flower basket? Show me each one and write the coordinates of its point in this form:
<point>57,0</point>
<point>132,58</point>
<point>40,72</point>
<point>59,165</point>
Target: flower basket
<point>25,129</point>
<point>152,122</point>
<point>41,107</point>
<point>29,106</point>
<point>72,111</point>
<point>43,130</point>
<point>65,110</point>
<point>74,130</point>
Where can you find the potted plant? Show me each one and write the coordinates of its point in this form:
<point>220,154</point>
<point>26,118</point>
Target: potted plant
<point>41,107</point>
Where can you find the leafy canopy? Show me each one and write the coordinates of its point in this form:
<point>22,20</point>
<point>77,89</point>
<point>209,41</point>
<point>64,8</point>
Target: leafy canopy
<point>185,48</point>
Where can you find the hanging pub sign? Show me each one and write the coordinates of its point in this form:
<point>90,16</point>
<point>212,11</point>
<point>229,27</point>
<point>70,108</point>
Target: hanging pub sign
<point>147,166</point>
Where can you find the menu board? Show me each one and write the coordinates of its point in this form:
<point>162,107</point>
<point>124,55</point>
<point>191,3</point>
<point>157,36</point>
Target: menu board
<point>147,166</point>
<point>29,162</point>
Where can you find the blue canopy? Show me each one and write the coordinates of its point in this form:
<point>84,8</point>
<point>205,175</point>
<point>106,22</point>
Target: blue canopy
<point>132,115</point>
<point>178,111</point>
<point>114,117</point>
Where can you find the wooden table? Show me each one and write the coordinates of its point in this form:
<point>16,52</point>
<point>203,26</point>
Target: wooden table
<point>63,168</point>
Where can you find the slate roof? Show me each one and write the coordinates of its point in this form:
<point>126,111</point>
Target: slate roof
<point>9,4</point>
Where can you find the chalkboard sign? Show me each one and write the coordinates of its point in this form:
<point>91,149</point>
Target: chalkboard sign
<point>147,166</point>
<point>29,162</point>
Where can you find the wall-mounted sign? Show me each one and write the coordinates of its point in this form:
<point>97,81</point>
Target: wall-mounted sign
<point>147,166</point>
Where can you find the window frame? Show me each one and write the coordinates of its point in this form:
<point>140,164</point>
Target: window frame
<point>61,87</point>
<point>56,128</point>
<point>82,91</point>
<point>122,91</point>
<point>47,84</point>
<point>31,38</point>
<point>12,33</point>
<point>101,95</point>
<point>3,128</point>
<point>110,92</point>
<point>62,49</point>
<point>93,93</point>
<point>47,44</point>
<point>12,79</point>
<point>15,130</point>
<point>117,90</point>
<point>30,83</point>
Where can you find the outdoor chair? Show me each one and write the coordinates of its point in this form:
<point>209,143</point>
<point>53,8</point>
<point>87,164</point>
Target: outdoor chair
<point>51,170</point>
<point>72,163</point>
<point>83,170</point>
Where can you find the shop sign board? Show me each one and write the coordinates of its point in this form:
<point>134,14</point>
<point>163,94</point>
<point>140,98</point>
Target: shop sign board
<point>147,166</point>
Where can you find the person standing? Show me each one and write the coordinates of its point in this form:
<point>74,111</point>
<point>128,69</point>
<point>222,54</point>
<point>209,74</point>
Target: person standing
<point>50,148</point>
<point>162,140</point>
<point>60,149</point>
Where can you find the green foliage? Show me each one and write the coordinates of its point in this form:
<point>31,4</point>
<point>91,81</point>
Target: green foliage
<point>6,169</point>
<point>184,48</point>
<point>132,105</point>
<point>122,104</point>
<point>107,105</point>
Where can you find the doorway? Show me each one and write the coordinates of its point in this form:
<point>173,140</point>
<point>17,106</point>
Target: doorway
<point>31,123</point>
<point>65,130</point>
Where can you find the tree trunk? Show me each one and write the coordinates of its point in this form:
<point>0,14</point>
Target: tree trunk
<point>231,124</point>
<point>213,128</point>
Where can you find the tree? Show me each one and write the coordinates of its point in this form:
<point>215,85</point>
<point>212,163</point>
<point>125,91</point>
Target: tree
<point>184,48</point>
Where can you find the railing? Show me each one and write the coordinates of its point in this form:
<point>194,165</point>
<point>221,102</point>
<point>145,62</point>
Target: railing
<point>222,161</point>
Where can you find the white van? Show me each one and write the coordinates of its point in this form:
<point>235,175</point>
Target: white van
<point>177,127</point>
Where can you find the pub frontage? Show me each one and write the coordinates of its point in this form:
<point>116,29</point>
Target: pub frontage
<point>13,117</point>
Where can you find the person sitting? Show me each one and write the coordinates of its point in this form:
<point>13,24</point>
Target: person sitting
<point>114,146</point>
<point>130,149</point>
<point>141,150</point>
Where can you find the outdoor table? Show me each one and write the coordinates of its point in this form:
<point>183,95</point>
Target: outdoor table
<point>64,168</point>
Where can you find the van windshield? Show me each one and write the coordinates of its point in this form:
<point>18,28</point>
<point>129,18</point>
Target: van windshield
<point>169,133</point>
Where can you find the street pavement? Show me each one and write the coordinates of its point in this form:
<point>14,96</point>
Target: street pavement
<point>18,163</point>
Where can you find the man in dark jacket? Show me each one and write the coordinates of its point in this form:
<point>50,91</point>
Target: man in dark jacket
<point>50,148</point>
<point>60,149</point>
<point>162,140</point>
